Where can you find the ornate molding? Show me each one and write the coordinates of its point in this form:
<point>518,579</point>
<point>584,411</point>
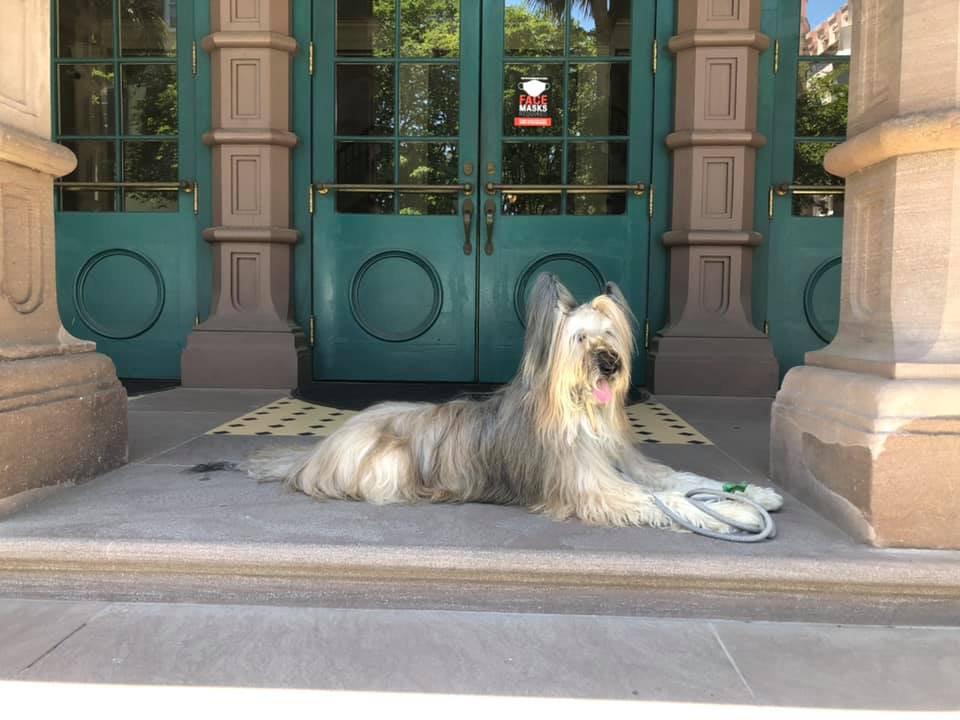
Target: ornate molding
<point>253,136</point>
<point>718,38</point>
<point>261,39</point>
<point>689,138</point>
<point>922,132</point>
<point>281,235</point>
<point>35,153</point>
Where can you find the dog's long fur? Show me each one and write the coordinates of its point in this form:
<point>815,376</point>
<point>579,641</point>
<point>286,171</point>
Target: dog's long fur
<point>545,441</point>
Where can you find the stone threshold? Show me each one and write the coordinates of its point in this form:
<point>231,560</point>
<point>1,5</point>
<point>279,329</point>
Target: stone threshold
<point>902,586</point>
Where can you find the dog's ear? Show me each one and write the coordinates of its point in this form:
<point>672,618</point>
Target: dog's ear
<point>612,290</point>
<point>549,301</point>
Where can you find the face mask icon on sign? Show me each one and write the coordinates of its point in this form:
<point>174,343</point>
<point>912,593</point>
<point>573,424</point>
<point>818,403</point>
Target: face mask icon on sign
<point>534,87</point>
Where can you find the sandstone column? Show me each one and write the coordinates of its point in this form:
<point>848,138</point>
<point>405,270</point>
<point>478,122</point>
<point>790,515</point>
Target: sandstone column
<point>63,414</point>
<point>869,430</point>
<point>250,339</point>
<point>710,345</point>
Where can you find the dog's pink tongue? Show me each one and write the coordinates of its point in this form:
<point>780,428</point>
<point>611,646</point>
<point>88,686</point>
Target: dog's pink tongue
<point>602,393</point>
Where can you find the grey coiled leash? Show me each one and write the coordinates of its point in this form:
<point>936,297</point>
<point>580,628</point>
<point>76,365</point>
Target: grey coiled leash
<point>747,533</point>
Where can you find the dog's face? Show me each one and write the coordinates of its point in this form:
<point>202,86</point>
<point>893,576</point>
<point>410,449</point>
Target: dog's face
<point>582,352</point>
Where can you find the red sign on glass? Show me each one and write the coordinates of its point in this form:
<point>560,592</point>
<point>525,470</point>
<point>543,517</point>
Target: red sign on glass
<point>533,103</point>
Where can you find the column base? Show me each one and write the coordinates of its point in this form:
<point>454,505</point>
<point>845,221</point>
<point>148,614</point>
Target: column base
<point>738,367</point>
<point>876,456</point>
<point>249,359</point>
<point>63,419</point>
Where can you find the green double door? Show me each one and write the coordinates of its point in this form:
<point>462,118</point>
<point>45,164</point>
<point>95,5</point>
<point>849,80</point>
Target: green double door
<point>459,150</point>
<point>126,224</point>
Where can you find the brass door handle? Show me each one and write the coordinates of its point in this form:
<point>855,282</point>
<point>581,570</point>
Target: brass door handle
<point>489,211</point>
<point>467,223</point>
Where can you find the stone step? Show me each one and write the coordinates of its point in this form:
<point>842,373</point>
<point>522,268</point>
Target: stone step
<point>886,587</point>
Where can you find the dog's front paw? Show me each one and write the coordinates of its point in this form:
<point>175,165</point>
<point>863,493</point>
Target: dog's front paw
<point>767,498</point>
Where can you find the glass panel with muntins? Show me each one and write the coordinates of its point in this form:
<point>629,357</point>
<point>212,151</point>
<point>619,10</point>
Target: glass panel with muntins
<point>600,28</point>
<point>95,163</point>
<point>430,29</point>
<point>84,28</point>
<point>596,163</point>
<point>365,163</point>
<point>87,98</point>
<point>149,99</point>
<point>599,94</point>
<point>533,29</point>
<point>150,161</point>
<point>567,100</point>
<point>148,28</point>
<point>402,99</point>
<point>428,163</point>
<point>365,98</point>
<point>366,29</point>
<point>109,110</point>
<point>823,71</point>
<point>531,163</point>
<point>429,99</point>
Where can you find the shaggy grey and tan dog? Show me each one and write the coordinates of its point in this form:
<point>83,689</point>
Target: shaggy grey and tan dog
<point>555,440</point>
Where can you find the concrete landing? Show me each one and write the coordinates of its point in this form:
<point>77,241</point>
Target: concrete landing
<point>153,531</point>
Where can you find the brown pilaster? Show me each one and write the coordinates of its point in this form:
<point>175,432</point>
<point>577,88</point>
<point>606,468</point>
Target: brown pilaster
<point>250,339</point>
<point>710,345</point>
<point>63,414</point>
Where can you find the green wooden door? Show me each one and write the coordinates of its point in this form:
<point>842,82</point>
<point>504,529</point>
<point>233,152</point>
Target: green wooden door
<point>125,221</point>
<point>805,202</point>
<point>430,283</point>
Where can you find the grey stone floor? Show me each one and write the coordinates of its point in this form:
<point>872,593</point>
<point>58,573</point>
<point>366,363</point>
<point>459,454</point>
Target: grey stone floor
<point>504,654</point>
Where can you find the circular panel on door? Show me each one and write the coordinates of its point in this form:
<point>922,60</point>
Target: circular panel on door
<point>821,299</point>
<point>119,294</point>
<point>396,296</point>
<point>579,275</point>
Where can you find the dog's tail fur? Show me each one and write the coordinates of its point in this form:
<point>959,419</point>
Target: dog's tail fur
<point>279,464</point>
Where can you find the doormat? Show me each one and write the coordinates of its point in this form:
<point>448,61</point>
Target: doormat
<point>651,422</point>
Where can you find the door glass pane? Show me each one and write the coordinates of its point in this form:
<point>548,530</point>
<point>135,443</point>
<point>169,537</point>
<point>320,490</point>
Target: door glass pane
<point>430,29</point>
<point>429,99</point>
<point>808,170</point>
<point>600,28</point>
<point>150,161</point>
<point>825,28</point>
<point>366,27</point>
<point>148,27</point>
<point>599,99</point>
<point>531,163</point>
<point>596,163</point>
<point>364,162</point>
<point>87,96</point>
<point>424,163</point>
<point>84,28</point>
<point>149,99</point>
<point>95,163</point>
<point>365,99</point>
<point>822,98</point>
<point>533,28</point>
<point>533,99</point>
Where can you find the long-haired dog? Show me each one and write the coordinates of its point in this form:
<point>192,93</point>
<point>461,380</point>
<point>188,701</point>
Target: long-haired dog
<point>555,440</point>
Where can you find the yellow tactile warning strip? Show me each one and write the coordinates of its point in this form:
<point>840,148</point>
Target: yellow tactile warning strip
<point>652,422</point>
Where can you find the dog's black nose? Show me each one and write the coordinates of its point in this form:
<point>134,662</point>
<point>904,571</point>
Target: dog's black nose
<point>607,362</point>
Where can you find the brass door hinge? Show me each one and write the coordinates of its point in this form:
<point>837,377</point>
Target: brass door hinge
<point>193,58</point>
<point>310,59</point>
<point>770,203</point>
<point>766,327</point>
<point>776,57</point>
<point>655,56</point>
<point>196,320</point>
<point>646,334</point>
<point>312,331</point>
<point>310,206</point>
<point>650,194</point>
